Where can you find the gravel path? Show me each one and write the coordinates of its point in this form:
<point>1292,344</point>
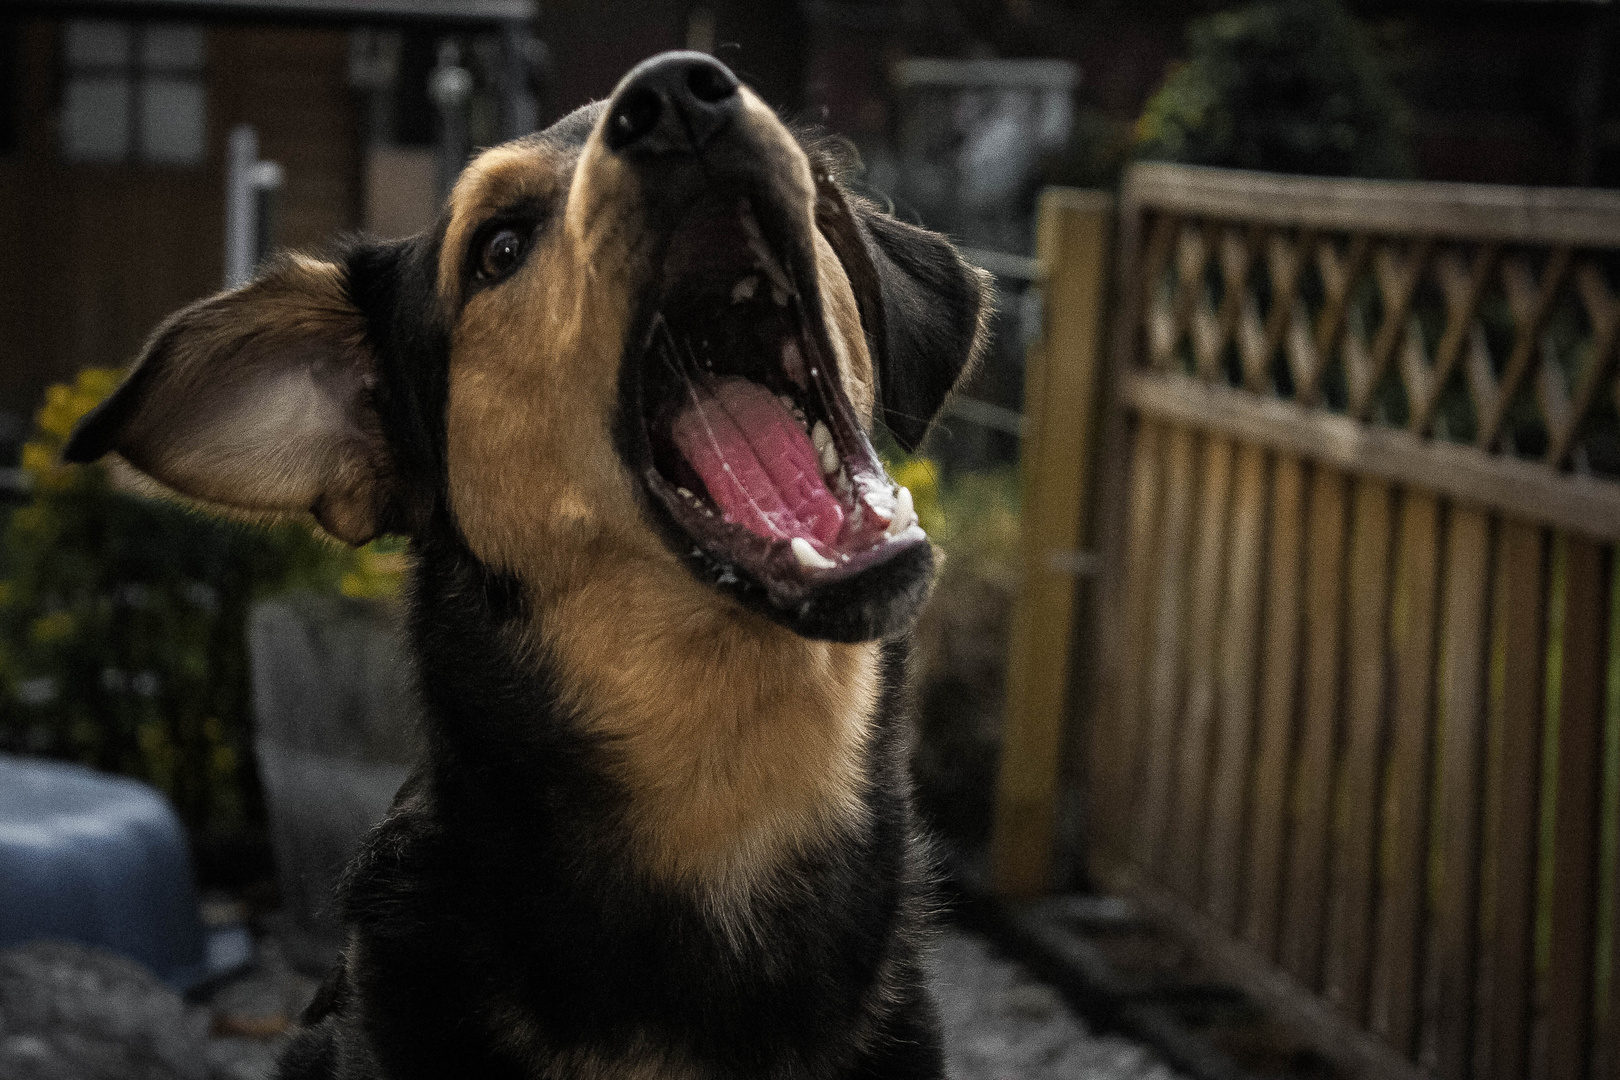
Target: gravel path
<point>71,1013</point>
<point>1002,1024</point>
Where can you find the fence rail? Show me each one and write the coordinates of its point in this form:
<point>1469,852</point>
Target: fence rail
<point>1357,720</point>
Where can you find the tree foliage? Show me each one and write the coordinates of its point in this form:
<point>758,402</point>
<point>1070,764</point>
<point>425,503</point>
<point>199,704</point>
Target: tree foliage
<point>1292,86</point>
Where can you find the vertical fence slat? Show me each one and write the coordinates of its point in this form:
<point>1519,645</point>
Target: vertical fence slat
<point>1579,651</point>
<point>1240,656</point>
<point>1074,240</point>
<point>1393,994</point>
<point>1384,751</point>
<point>1311,797</point>
<point>1356,800</point>
<point>1116,734</point>
<point>1165,670</point>
<point>1448,976</point>
<point>1512,775</point>
<point>1606,1051</point>
<point>1185,854</point>
<point>1279,691</point>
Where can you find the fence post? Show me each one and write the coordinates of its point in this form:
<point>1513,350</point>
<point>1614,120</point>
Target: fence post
<point>1060,398</point>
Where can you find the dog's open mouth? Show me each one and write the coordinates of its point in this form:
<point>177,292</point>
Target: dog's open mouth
<point>753,446</point>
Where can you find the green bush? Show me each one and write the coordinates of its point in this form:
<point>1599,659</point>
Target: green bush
<point>1291,86</point>
<point>961,646</point>
<point>122,622</point>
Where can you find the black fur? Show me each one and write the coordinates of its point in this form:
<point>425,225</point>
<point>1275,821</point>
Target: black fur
<point>496,895</point>
<point>496,923</point>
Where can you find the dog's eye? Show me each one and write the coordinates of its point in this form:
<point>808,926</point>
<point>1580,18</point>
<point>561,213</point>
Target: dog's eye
<point>502,252</point>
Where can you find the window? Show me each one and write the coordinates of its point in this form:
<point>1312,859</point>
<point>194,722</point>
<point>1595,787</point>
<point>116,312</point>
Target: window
<point>134,92</point>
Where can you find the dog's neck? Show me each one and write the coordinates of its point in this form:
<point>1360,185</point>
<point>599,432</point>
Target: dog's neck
<point>739,743</point>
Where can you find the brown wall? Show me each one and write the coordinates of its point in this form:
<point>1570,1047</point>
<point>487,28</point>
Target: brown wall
<point>92,257</point>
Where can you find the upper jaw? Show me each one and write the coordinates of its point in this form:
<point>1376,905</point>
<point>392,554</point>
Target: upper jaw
<point>738,423</point>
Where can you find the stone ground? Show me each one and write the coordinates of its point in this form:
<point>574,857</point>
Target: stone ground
<point>1003,1024</point>
<point>70,1013</point>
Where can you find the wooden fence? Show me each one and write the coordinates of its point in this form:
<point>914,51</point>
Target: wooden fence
<point>1355,729</point>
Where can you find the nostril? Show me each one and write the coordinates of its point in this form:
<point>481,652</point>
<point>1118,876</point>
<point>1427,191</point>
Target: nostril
<point>710,83</point>
<point>636,114</point>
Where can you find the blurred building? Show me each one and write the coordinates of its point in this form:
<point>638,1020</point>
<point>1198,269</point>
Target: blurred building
<point>151,150</point>
<point>118,190</point>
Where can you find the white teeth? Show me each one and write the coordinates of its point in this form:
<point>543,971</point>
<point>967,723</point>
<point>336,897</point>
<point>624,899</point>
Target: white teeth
<point>809,557</point>
<point>745,289</point>
<point>822,440</point>
<point>880,500</point>
<point>683,493</point>
<point>905,513</point>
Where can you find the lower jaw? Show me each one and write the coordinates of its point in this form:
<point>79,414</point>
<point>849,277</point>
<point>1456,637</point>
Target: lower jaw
<point>876,601</point>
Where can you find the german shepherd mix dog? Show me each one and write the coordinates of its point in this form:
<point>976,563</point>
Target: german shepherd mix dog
<point>620,400</point>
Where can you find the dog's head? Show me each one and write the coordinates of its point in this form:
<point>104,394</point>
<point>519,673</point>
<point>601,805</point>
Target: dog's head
<point>659,332</point>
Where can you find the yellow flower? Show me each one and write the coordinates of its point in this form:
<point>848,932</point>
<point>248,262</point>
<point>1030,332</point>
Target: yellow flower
<point>96,383</point>
<point>66,405</point>
<point>921,476</point>
<point>378,574</point>
<point>53,627</point>
<point>37,457</point>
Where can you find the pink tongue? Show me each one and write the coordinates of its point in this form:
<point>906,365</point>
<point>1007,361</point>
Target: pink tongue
<point>757,462</point>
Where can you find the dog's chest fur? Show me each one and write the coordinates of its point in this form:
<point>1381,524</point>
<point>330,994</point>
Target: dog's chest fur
<point>508,922</point>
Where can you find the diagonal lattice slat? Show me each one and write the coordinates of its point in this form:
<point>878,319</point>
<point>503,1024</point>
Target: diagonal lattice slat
<point>1398,275</point>
<point>1162,332</point>
<point>1462,284</point>
<point>1286,321</point>
<point>1339,272</point>
<point>1603,311</point>
<point>1226,300</point>
<point>1531,302</point>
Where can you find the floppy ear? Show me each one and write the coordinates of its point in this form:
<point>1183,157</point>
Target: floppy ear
<point>926,311</point>
<point>257,399</point>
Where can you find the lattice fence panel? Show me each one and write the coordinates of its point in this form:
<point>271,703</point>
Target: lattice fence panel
<point>1511,349</point>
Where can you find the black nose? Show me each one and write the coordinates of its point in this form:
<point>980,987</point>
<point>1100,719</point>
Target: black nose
<point>671,104</point>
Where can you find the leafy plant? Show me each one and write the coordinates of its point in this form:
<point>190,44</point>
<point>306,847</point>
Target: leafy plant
<point>1292,86</point>
<point>122,621</point>
<point>961,643</point>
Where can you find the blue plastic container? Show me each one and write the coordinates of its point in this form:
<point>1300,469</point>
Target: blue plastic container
<point>100,860</point>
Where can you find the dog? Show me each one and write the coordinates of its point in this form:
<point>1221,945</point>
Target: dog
<point>621,400</point>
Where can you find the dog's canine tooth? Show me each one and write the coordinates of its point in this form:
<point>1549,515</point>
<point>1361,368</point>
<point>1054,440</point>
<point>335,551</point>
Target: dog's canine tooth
<point>683,493</point>
<point>822,439</point>
<point>745,289</point>
<point>881,502</point>
<point>809,557</point>
<point>905,513</point>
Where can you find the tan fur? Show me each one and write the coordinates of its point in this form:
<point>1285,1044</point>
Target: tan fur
<point>243,414</point>
<point>739,740</point>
